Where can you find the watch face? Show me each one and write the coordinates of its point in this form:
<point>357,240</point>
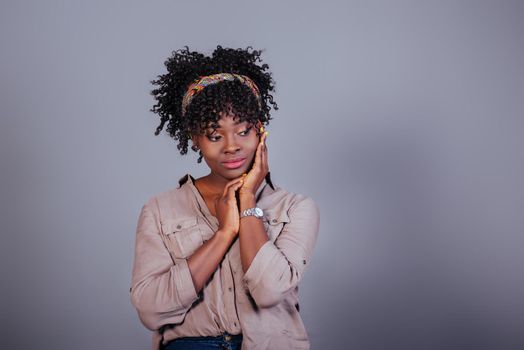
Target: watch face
<point>259,213</point>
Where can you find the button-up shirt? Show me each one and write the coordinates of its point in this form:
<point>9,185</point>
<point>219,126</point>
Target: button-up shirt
<point>261,304</point>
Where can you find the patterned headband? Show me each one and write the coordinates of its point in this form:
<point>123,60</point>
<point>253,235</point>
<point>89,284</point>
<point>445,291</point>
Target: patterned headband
<point>199,84</point>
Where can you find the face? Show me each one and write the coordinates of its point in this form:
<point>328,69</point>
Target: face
<point>228,147</point>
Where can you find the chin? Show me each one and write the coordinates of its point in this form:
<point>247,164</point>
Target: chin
<point>233,173</point>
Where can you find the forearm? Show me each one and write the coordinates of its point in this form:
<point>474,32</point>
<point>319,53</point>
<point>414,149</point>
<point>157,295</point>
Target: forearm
<point>252,234</point>
<point>206,259</point>
<point>280,263</point>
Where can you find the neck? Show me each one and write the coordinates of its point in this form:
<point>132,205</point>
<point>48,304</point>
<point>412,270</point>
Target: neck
<point>213,183</point>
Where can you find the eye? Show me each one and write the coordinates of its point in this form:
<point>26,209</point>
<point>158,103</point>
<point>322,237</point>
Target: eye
<point>246,131</point>
<point>213,137</point>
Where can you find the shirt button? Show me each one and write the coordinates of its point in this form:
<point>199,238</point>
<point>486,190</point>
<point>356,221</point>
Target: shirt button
<point>304,262</point>
<point>274,220</point>
<point>230,289</point>
<point>179,226</point>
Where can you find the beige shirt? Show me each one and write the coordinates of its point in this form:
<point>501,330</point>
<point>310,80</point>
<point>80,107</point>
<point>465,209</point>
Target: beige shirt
<point>262,304</point>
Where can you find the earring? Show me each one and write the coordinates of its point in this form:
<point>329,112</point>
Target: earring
<point>199,160</point>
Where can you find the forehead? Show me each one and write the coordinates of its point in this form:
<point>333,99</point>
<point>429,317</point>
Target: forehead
<point>226,121</point>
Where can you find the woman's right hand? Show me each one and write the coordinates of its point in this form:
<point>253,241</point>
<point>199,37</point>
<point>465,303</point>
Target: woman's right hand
<point>227,208</point>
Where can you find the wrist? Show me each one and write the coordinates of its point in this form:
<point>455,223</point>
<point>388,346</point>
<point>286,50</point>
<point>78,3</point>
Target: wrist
<point>247,201</point>
<point>246,192</point>
<point>225,235</point>
<point>254,212</point>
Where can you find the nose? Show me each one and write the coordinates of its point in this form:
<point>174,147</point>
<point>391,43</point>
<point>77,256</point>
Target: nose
<point>231,146</point>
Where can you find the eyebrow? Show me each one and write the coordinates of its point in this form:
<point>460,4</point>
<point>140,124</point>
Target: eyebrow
<point>217,126</point>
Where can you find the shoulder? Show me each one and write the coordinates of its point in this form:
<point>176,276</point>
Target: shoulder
<point>181,193</point>
<point>174,200</point>
<point>153,200</point>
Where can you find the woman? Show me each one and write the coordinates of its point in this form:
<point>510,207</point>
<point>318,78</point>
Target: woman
<point>218,259</point>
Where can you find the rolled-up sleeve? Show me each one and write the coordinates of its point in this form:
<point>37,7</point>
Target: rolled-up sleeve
<point>278,267</point>
<point>161,291</point>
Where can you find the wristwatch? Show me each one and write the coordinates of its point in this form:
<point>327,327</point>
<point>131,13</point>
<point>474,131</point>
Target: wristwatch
<point>256,212</point>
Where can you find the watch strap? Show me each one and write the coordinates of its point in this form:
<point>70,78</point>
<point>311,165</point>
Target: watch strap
<point>256,212</point>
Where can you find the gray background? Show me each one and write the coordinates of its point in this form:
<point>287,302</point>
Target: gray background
<point>403,120</point>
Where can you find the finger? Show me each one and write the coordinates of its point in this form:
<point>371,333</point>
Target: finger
<point>265,159</point>
<point>263,140</point>
<point>233,188</point>
<point>258,154</point>
<point>260,128</point>
<point>264,137</point>
<point>231,183</point>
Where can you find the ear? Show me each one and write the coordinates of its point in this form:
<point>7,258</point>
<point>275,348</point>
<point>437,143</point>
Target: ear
<point>194,141</point>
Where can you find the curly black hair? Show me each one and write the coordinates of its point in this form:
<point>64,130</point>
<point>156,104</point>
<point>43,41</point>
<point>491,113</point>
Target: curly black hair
<point>231,97</point>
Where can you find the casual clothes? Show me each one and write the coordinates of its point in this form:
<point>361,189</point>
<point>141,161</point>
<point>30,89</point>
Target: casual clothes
<point>223,342</point>
<point>261,304</point>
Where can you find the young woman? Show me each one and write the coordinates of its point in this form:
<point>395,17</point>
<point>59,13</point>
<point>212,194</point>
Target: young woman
<point>219,258</point>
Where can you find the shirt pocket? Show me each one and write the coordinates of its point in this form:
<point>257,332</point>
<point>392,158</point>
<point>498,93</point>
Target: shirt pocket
<point>183,236</point>
<point>274,222</point>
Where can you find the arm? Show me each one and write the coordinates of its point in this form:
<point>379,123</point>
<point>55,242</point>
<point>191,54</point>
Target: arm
<point>252,234</point>
<point>278,267</point>
<point>273,269</point>
<point>205,260</point>
<point>163,292</point>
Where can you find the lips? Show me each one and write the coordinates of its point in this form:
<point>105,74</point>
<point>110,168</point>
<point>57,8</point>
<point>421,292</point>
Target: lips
<point>234,163</point>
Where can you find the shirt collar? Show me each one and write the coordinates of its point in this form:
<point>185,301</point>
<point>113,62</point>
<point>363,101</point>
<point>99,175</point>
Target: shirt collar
<point>267,180</point>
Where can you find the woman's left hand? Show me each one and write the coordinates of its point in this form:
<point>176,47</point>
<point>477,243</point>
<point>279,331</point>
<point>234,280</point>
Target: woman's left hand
<point>258,172</point>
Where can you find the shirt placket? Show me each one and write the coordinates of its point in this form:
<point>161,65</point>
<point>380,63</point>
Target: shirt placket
<point>230,294</point>
<point>228,283</point>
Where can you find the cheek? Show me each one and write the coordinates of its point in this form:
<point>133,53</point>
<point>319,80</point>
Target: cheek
<point>209,152</point>
<point>252,145</point>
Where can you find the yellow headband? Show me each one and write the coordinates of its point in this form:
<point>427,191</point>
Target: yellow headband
<point>199,84</point>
